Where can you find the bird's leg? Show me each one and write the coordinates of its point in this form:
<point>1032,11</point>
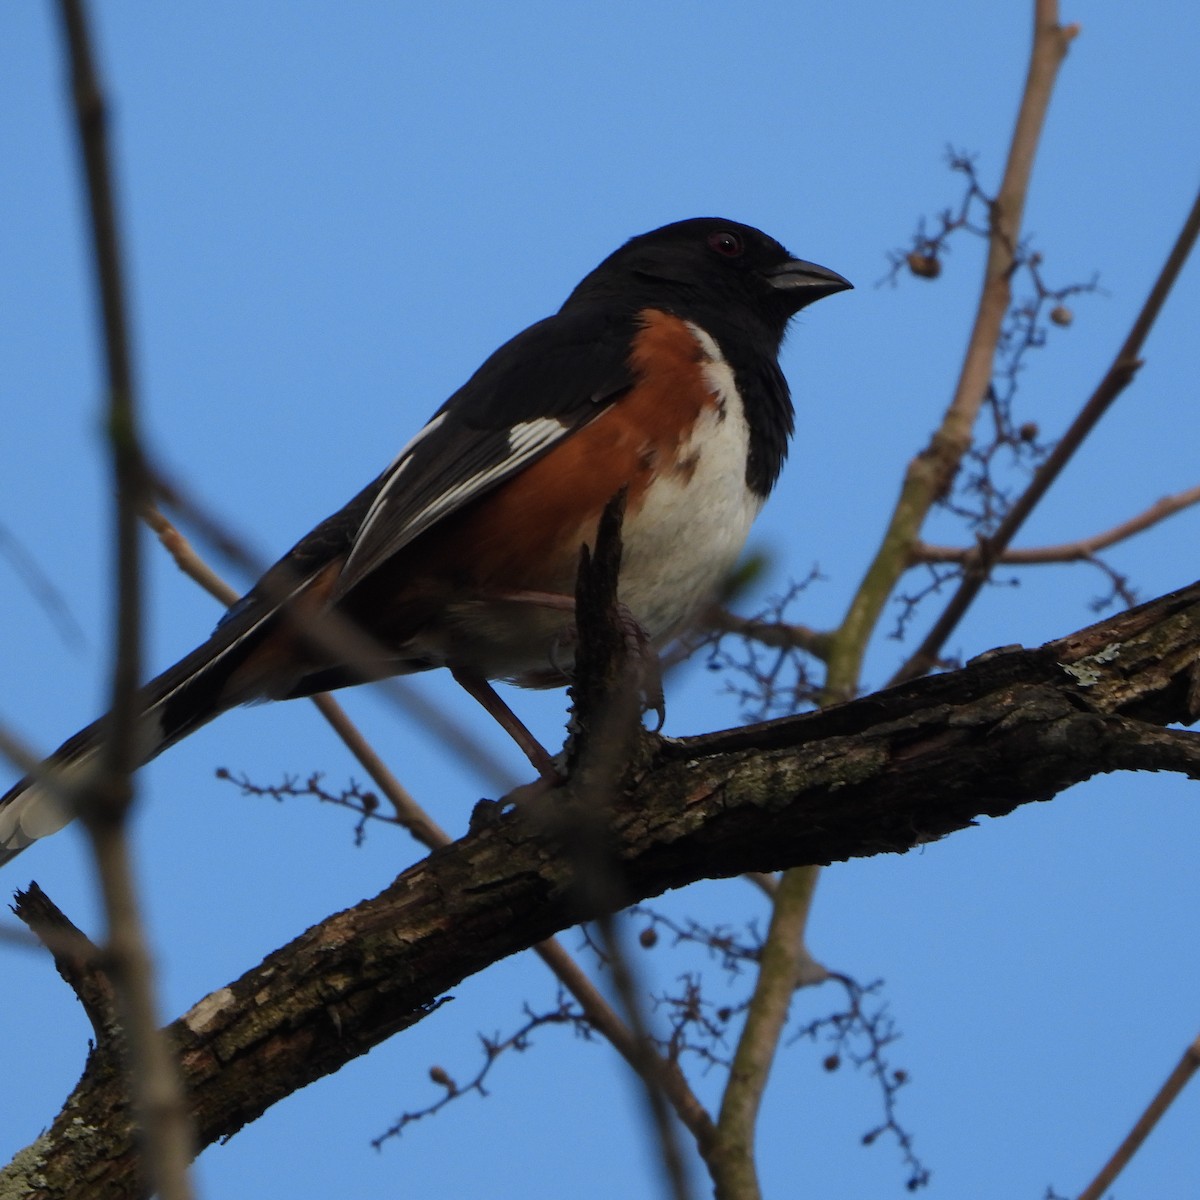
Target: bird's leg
<point>637,645</point>
<point>508,720</point>
<point>554,600</point>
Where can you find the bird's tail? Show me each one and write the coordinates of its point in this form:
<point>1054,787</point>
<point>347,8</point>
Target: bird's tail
<point>184,697</point>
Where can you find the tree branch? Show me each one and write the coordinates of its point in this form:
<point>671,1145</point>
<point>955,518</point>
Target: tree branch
<point>1166,1096</point>
<point>929,474</point>
<point>1116,379</point>
<point>1066,552</point>
<point>880,774</point>
<point>734,1170</point>
<point>104,800</point>
<point>780,635</point>
<point>79,962</point>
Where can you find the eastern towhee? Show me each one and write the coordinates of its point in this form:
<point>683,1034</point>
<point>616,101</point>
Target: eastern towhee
<point>659,375</point>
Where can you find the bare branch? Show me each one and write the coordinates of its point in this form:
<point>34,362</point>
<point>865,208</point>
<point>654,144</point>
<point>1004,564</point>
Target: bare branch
<point>767,884</point>
<point>1167,1095</point>
<point>733,1162</point>
<point>884,773</point>
<point>927,479</point>
<point>612,674</point>
<point>79,962</point>
<point>1065,552</point>
<point>47,595</point>
<point>777,634</point>
<point>186,558</point>
<point>649,1065</point>
<point>104,803</point>
<point>929,475</point>
<point>1118,376</point>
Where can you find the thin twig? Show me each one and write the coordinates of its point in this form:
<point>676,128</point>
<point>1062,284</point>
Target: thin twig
<point>1118,376</point>
<point>778,634</point>
<point>649,1064</point>
<point>605,1020</point>
<point>931,472</point>
<point>186,558</point>
<point>607,685</point>
<point>154,1078</point>
<point>1167,1094</point>
<point>493,1049</point>
<point>767,884</point>
<point>1066,552</point>
<point>42,587</point>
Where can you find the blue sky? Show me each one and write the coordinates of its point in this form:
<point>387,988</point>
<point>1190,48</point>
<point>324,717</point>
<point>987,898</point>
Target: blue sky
<point>332,214</point>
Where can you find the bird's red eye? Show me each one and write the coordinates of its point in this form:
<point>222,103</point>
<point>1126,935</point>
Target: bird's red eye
<point>726,243</point>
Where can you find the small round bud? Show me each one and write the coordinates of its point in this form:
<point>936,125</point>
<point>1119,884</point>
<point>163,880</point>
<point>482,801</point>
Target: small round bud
<point>648,938</point>
<point>832,1062</point>
<point>924,266</point>
<point>1028,431</point>
<point>1060,314</point>
<point>439,1076</point>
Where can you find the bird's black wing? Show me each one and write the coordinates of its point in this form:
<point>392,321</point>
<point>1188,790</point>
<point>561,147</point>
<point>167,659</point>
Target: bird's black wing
<point>532,393</point>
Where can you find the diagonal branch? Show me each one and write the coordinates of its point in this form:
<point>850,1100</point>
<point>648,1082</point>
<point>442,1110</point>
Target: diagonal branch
<point>1064,552</point>
<point>1165,1097</point>
<point>1116,379</point>
<point>930,473</point>
<point>877,775</point>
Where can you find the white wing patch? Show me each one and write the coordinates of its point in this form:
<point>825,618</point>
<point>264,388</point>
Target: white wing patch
<point>420,435</point>
<point>395,468</point>
<point>529,436</point>
<point>525,440</point>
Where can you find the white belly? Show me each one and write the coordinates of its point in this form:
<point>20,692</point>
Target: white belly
<point>690,528</point>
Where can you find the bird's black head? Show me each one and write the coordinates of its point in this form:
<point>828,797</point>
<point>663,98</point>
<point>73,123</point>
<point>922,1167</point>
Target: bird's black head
<point>707,265</point>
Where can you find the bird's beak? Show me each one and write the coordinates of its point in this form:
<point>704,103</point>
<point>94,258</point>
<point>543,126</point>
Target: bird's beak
<point>807,278</point>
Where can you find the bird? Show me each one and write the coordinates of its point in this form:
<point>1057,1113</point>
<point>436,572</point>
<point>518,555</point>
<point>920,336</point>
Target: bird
<point>659,376</point>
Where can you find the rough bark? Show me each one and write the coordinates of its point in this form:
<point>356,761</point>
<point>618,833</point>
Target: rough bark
<point>879,774</point>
